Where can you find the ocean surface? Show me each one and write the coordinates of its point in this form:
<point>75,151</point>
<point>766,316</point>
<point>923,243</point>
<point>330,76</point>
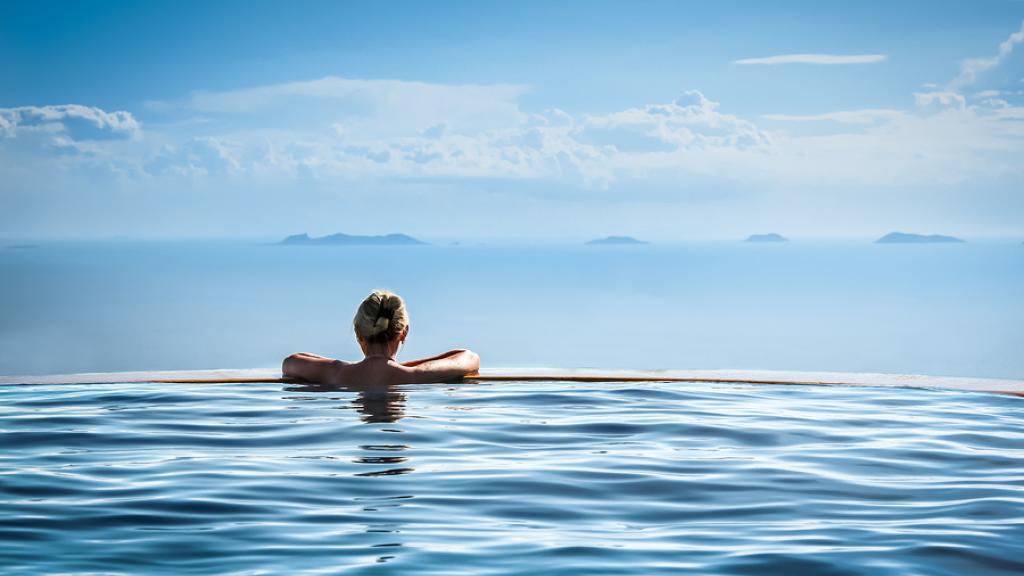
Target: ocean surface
<point>947,310</point>
<point>511,478</point>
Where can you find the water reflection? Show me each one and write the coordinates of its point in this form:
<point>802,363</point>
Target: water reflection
<point>375,406</point>
<point>389,458</point>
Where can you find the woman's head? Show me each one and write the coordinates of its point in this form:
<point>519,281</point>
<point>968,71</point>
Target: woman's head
<point>381,318</point>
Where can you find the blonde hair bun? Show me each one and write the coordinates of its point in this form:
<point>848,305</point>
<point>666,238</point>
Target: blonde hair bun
<point>381,325</point>
<point>381,317</point>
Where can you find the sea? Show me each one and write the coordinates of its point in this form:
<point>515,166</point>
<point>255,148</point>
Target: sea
<point>856,306</point>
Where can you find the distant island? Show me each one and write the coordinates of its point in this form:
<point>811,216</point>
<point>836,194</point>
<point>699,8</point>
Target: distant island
<point>903,238</point>
<point>353,240</point>
<point>617,240</point>
<point>772,237</point>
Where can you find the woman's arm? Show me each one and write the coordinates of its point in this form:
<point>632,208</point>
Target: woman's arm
<point>444,367</point>
<point>441,356</point>
<point>308,367</point>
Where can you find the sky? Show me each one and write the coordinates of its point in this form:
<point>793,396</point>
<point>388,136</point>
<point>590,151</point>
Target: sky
<point>661,120</point>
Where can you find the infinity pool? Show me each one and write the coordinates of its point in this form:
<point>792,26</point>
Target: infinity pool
<point>510,478</point>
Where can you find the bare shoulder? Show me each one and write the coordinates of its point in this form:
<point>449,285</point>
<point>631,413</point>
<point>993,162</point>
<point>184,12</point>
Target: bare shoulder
<point>313,368</point>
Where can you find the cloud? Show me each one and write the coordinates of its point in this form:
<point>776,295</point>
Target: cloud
<point>691,121</point>
<point>327,140</point>
<point>373,129</point>
<point>866,116</point>
<point>945,140</point>
<point>940,100</point>
<point>362,107</point>
<point>971,68</point>
<point>69,121</point>
<point>938,144</point>
<point>198,157</point>
<point>7,123</point>
<point>687,139</point>
<point>826,59</point>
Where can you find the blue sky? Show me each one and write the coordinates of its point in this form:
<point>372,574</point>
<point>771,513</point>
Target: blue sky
<point>667,120</point>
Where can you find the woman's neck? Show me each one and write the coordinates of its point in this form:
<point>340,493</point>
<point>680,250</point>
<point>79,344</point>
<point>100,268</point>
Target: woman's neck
<point>381,352</point>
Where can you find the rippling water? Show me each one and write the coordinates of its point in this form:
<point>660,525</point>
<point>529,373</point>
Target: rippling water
<point>530,478</point>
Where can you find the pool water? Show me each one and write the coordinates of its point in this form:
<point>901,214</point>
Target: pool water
<point>510,478</point>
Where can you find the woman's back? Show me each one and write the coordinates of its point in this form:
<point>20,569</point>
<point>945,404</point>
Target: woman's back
<point>381,325</point>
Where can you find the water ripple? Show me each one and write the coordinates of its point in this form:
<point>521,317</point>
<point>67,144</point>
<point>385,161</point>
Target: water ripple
<point>516,478</point>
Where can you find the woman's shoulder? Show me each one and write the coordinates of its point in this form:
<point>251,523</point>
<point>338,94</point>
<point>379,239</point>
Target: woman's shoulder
<point>341,372</point>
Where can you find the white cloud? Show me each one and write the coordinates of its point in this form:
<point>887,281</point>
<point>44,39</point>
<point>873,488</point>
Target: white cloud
<point>7,123</point>
<point>866,116</point>
<point>940,140</point>
<point>938,145</point>
<point>198,157</point>
<point>72,121</point>
<point>362,107</point>
<point>826,59</point>
<point>944,140</point>
<point>971,68</point>
<point>332,138</point>
<point>692,121</point>
<point>417,130</point>
<point>940,100</point>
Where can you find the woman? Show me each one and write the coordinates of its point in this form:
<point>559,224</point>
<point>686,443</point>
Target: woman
<point>381,325</point>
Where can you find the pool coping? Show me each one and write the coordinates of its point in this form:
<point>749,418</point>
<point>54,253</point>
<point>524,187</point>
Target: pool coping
<point>767,377</point>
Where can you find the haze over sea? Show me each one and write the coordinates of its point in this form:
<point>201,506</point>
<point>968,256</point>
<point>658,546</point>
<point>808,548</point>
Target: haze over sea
<point>804,305</point>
